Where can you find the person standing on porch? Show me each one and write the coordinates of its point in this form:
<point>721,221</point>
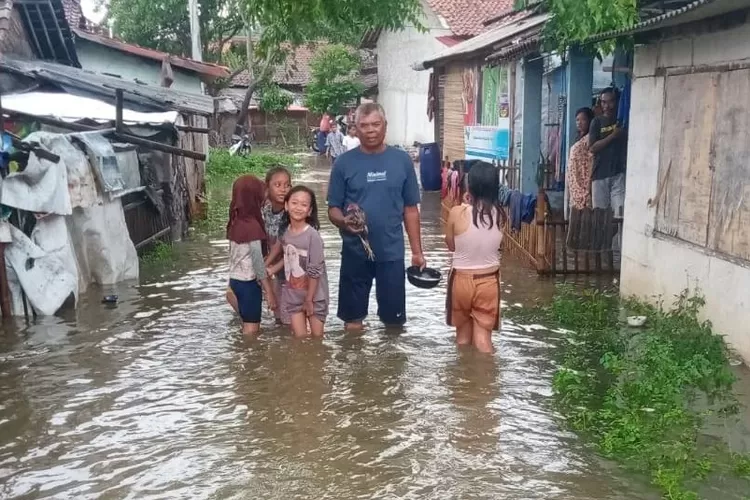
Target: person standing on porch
<point>607,142</point>
<point>580,162</point>
<point>381,181</point>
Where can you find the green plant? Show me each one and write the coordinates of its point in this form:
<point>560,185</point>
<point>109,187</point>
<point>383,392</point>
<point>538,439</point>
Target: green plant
<point>572,22</point>
<point>334,83</point>
<point>158,253</point>
<point>221,171</point>
<point>273,99</point>
<point>223,166</point>
<point>643,395</point>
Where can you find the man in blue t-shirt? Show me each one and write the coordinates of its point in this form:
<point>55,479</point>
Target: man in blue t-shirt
<point>381,180</point>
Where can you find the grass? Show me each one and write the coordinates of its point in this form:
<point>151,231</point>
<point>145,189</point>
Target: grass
<point>221,171</point>
<point>642,396</point>
<point>158,253</point>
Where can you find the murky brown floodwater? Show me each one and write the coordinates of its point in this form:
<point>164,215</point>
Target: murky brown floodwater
<point>162,398</point>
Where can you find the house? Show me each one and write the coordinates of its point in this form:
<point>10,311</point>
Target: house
<point>688,181</point>
<point>500,97</point>
<point>293,77</point>
<point>124,162</point>
<point>403,92</point>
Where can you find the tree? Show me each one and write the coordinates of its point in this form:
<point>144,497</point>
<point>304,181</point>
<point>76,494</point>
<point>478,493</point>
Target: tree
<point>290,23</point>
<point>271,26</point>
<point>573,21</point>
<point>164,24</point>
<point>273,99</point>
<point>334,84</point>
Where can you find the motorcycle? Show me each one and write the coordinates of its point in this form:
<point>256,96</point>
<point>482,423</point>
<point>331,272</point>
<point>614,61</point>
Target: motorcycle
<point>312,139</point>
<point>241,146</point>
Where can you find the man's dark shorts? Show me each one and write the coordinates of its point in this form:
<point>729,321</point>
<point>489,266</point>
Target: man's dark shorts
<point>355,283</point>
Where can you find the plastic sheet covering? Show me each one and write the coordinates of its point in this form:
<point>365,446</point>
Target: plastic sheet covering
<point>103,160</point>
<point>81,182</point>
<point>43,186</point>
<point>127,163</point>
<point>72,108</point>
<point>105,253</point>
<point>43,266</point>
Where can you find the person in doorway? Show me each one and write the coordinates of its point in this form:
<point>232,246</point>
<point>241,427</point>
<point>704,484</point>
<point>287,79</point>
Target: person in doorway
<point>335,142</point>
<point>474,233</point>
<point>278,184</point>
<point>580,162</point>
<point>381,180</point>
<point>607,142</point>
<point>247,272</point>
<point>351,141</point>
<point>305,290</point>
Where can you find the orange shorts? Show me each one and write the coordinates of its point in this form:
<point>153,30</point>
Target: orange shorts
<point>473,297</point>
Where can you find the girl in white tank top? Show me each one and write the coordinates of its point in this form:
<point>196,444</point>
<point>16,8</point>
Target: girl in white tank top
<point>474,233</point>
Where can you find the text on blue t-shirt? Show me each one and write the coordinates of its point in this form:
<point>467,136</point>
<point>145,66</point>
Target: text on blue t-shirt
<point>382,184</point>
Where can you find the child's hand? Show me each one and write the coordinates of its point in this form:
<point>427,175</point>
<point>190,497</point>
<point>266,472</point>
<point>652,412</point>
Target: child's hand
<point>308,308</point>
<point>272,304</point>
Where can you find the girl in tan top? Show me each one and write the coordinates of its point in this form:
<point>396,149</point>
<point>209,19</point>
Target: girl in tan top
<point>474,233</point>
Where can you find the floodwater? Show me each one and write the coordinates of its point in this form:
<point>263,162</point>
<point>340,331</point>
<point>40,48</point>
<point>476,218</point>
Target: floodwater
<point>161,397</point>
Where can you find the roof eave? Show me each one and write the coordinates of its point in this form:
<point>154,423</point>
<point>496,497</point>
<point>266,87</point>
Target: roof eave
<point>694,11</point>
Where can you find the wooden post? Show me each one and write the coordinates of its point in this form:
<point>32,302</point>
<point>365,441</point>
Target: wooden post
<point>4,289</point>
<point>542,264</point>
<point>118,110</point>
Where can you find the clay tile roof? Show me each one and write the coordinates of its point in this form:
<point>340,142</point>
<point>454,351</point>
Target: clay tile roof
<point>294,72</point>
<point>465,17</point>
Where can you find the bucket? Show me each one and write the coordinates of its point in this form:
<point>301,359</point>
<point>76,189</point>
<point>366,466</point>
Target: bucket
<point>429,166</point>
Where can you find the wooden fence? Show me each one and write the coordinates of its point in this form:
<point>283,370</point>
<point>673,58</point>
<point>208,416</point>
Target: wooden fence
<point>543,242</point>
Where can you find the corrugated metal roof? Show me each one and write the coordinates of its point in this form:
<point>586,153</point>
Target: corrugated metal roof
<point>516,50</point>
<point>202,68</point>
<point>47,30</point>
<point>138,96</point>
<point>694,11</point>
<point>489,40</point>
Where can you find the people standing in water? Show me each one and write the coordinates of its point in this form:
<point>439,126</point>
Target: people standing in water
<point>381,180</point>
<point>278,184</point>
<point>580,162</point>
<point>305,290</point>
<point>246,233</point>
<point>474,233</point>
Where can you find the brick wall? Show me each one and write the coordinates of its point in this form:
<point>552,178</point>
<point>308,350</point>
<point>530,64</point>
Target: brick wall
<point>13,40</point>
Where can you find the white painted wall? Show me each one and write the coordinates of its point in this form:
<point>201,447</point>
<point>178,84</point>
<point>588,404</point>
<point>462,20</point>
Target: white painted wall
<point>660,266</point>
<point>101,59</point>
<point>403,91</point>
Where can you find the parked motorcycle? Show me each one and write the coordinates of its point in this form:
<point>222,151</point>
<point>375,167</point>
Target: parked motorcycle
<point>312,139</point>
<point>241,146</point>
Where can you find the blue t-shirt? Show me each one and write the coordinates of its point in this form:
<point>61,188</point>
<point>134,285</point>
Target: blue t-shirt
<point>382,185</point>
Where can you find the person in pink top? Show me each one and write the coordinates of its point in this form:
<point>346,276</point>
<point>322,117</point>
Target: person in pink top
<point>325,128</point>
<point>474,233</point>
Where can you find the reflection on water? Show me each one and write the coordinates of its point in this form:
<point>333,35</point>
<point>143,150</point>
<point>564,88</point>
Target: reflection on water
<point>161,397</point>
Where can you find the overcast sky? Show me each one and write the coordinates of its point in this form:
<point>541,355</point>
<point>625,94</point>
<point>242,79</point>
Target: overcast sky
<point>88,10</point>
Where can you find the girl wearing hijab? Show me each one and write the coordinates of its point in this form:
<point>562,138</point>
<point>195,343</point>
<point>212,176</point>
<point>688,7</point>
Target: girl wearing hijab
<point>248,280</point>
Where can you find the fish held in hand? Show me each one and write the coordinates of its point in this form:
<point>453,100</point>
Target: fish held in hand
<point>357,220</point>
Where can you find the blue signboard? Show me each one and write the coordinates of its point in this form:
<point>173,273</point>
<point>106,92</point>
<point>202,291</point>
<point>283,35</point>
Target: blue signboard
<point>488,143</point>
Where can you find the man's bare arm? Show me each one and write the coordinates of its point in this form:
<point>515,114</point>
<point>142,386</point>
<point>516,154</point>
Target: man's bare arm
<point>413,229</point>
<point>599,145</point>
